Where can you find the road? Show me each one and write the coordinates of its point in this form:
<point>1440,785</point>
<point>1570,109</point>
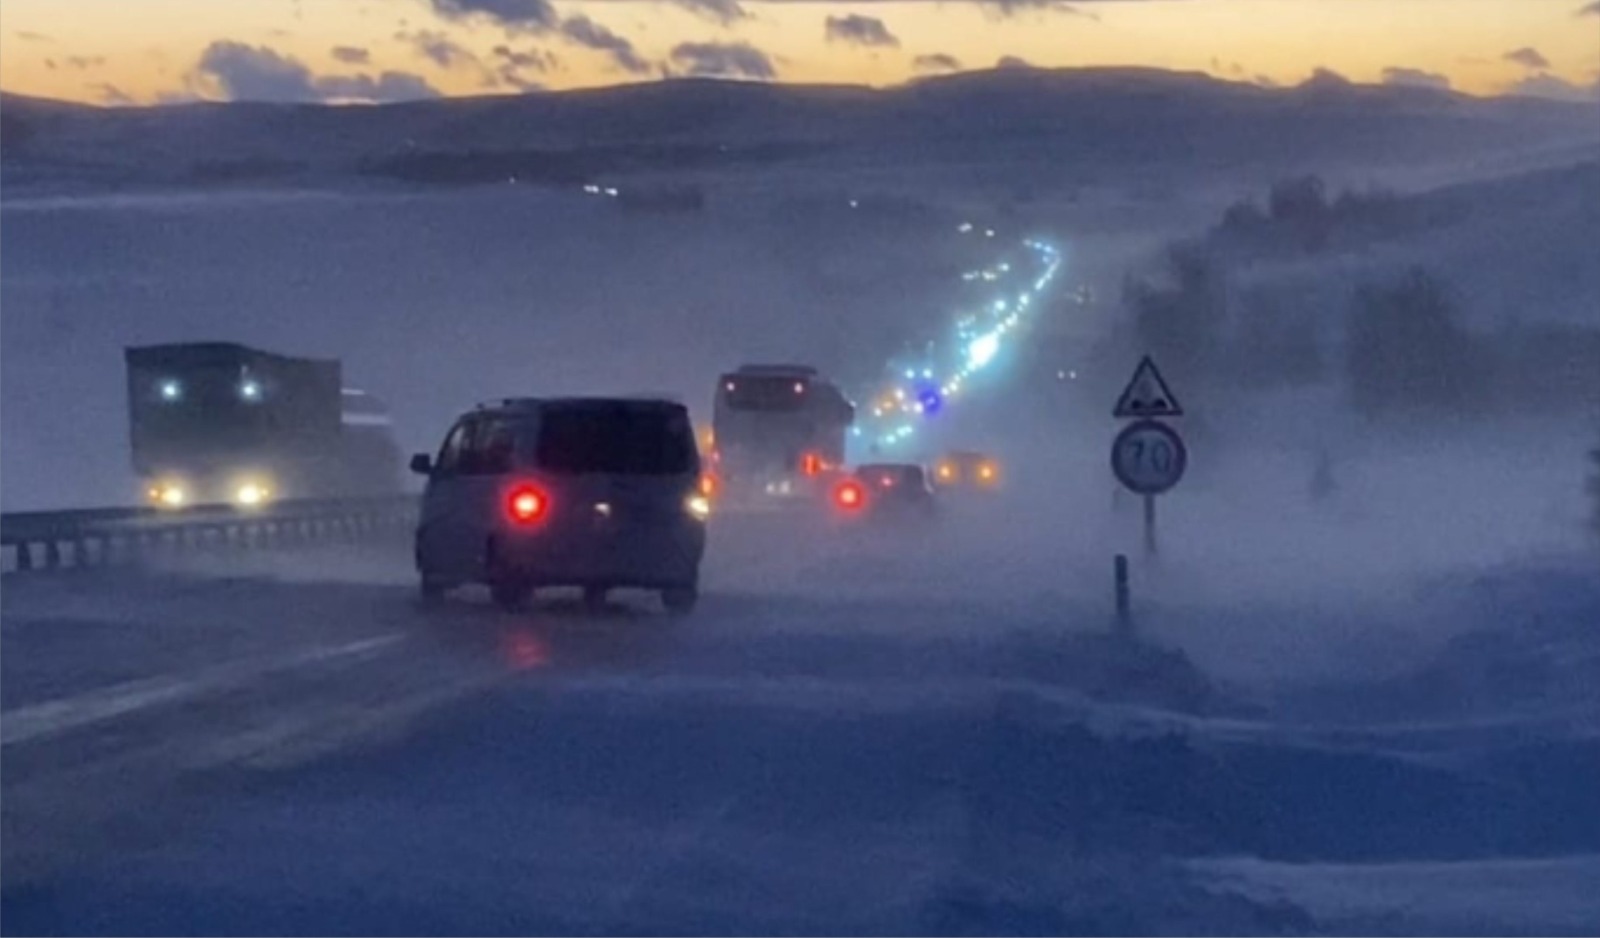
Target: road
<point>860,736</point>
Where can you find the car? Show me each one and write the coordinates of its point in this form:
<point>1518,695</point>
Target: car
<point>595,493</point>
<point>966,469</point>
<point>885,492</point>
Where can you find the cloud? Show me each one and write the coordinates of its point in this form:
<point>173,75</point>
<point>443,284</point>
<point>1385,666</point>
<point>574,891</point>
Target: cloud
<point>257,73</point>
<point>514,62</point>
<point>184,96</point>
<point>29,36</point>
<point>936,62</point>
<point>518,81</point>
<point>352,55</point>
<point>1589,9</point>
<point>510,15</point>
<point>114,96</point>
<point>859,30</point>
<point>439,49</point>
<point>387,87</point>
<point>1527,57</point>
<point>723,59</point>
<point>1007,8</point>
<point>82,62</point>
<point>1415,78</point>
<point>533,58</point>
<point>726,12</point>
<point>1322,77</point>
<point>586,32</point>
<point>1545,85</point>
<point>1012,63</point>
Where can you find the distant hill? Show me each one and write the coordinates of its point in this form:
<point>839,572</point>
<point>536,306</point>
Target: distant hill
<point>1049,126</point>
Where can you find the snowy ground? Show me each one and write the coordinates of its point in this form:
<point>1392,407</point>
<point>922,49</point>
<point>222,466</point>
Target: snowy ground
<point>854,736</point>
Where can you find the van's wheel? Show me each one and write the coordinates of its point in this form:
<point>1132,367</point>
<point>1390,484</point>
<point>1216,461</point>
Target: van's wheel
<point>431,589</point>
<point>680,600</point>
<point>594,598</point>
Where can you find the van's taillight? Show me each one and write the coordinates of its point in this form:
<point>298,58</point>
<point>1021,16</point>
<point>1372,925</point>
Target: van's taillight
<point>527,504</point>
<point>849,496</point>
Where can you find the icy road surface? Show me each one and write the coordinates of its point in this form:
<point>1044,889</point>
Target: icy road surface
<point>849,736</point>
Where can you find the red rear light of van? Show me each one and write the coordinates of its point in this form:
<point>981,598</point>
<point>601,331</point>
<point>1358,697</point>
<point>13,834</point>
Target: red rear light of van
<point>527,504</point>
<point>850,496</point>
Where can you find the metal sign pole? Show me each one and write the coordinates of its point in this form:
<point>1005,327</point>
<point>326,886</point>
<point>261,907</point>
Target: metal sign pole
<point>1149,526</point>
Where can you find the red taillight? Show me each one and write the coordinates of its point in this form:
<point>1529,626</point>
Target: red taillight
<point>526,504</point>
<point>810,464</point>
<point>849,496</point>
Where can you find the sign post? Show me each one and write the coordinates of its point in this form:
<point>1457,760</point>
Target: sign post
<point>1148,457</point>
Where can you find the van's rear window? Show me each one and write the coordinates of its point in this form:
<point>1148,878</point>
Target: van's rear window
<point>622,437</point>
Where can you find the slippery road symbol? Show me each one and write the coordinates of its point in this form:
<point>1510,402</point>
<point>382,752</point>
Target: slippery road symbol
<point>1147,394</point>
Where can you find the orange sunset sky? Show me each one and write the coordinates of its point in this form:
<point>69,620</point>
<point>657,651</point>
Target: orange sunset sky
<point>146,51</point>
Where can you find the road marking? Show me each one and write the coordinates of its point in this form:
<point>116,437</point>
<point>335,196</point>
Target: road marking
<point>55,717</point>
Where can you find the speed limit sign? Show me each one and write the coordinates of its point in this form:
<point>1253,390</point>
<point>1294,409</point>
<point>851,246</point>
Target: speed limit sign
<point>1148,457</point>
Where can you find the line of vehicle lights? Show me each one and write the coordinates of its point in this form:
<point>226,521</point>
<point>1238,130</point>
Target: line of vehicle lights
<point>917,392</point>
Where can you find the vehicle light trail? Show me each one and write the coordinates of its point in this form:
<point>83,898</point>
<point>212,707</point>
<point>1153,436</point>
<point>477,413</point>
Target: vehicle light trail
<point>923,389</point>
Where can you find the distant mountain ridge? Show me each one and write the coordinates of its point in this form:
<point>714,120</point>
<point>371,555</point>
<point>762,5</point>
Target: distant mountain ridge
<point>1069,118</point>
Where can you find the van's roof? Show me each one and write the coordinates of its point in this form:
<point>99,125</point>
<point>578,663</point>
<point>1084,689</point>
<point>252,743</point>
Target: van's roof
<point>523,404</point>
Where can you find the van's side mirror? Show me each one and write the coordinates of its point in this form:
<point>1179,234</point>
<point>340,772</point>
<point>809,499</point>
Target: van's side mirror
<point>422,464</point>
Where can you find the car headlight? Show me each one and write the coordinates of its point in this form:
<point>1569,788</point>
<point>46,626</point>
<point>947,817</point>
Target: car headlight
<point>251,494</point>
<point>698,506</point>
<point>168,495</point>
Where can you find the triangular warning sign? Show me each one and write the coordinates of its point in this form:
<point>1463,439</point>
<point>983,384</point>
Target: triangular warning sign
<point>1147,395</point>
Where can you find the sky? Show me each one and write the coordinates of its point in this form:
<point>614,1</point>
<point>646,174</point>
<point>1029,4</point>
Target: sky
<point>121,52</point>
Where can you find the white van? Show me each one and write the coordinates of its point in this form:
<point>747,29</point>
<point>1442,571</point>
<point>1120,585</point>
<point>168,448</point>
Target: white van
<point>597,493</point>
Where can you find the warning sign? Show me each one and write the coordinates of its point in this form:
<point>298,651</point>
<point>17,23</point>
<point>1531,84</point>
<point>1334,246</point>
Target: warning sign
<point>1147,395</point>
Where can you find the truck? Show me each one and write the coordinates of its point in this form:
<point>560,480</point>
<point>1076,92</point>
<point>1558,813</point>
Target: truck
<point>223,423</point>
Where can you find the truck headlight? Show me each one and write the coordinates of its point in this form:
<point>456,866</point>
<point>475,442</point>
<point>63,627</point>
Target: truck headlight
<point>698,506</point>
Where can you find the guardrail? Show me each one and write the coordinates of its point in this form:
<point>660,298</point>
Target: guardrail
<point>53,540</point>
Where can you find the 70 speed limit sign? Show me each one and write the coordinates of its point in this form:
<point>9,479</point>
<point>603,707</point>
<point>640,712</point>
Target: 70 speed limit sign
<point>1148,457</point>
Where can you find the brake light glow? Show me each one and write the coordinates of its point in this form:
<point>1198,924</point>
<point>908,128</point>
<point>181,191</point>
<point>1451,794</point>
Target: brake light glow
<point>810,464</point>
<point>526,504</point>
<point>850,496</point>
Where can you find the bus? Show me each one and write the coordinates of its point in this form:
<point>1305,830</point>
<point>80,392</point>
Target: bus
<point>775,428</point>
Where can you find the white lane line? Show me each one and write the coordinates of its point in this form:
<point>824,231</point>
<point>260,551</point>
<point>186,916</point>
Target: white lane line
<point>54,717</point>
